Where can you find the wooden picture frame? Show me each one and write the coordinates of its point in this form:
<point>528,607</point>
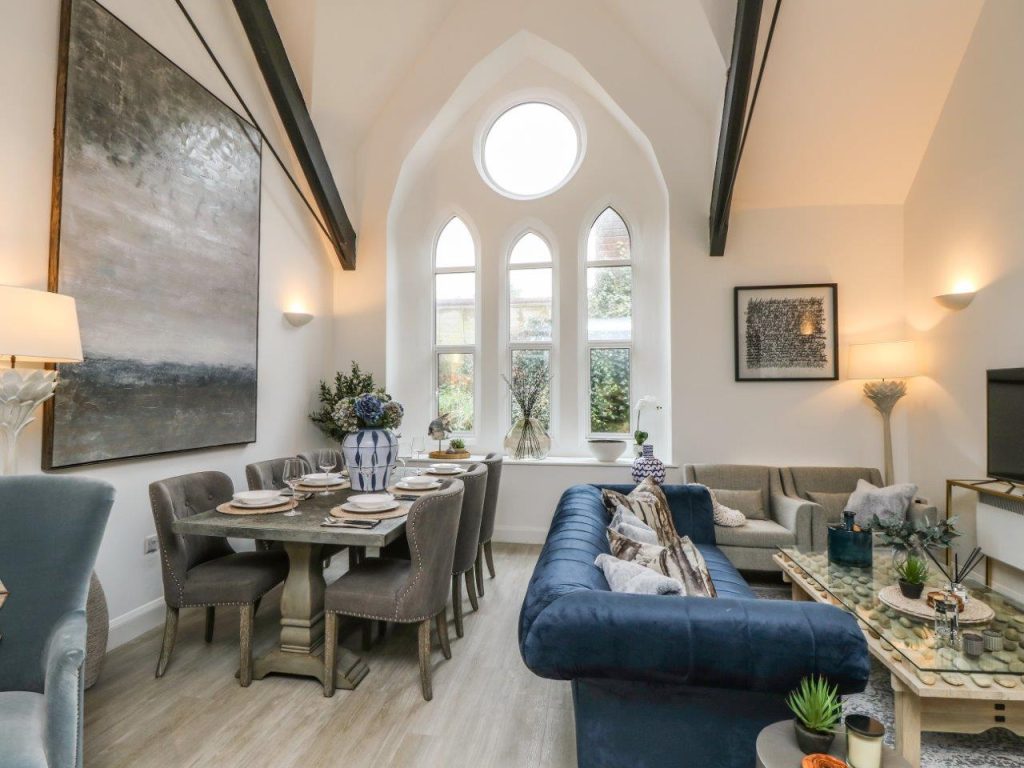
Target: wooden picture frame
<point>155,231</point>
<point>786,332</point>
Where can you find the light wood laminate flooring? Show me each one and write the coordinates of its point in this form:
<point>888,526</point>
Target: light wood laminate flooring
<point>488,709</point>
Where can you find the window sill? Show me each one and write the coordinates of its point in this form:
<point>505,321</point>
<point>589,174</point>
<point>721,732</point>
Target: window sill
<point>550,461</point>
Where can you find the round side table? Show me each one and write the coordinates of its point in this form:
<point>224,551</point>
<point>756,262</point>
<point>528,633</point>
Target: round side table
<point>776,748</point>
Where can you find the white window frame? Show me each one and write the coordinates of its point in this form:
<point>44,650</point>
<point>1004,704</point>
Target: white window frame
<point>440,349</point>
<point>511,346</point>
<point>586,344</point>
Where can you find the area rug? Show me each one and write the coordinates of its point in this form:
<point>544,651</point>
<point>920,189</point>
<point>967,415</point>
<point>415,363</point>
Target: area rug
<point>996,748</point>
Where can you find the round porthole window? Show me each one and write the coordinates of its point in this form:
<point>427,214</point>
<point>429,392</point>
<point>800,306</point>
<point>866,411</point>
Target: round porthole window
<point>530,150</point>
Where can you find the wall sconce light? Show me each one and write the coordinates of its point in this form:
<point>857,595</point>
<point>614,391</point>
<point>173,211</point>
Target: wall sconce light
<point>298,319</point>
<point>956,301</point>
<point>961,297</point>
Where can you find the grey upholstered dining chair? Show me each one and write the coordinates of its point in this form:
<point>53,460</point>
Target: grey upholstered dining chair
<point>413,591</point>
<point>494,464</point>
<point>50,531</point>
<point>310,458</point>
<point>204,571</point>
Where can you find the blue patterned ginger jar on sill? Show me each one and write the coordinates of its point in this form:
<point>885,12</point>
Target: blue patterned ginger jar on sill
<point>647,465</point>
<point>370,455</point>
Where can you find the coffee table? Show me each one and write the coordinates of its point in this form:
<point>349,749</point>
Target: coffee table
<point>776,748</point>
<point>936,688</point>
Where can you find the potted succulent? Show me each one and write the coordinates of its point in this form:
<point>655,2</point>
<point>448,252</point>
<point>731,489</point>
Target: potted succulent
<point>912,573</point>
<point>456,445</point>
<point>818,710</point>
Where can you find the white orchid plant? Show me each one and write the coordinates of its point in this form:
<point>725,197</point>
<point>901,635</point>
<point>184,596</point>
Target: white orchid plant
<point>645,402</point>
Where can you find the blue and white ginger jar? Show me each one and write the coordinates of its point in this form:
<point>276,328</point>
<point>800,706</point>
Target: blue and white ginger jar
<point>370,455</point>
<point>647,465</point>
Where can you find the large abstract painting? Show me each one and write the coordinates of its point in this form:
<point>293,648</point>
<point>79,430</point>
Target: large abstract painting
<point>156,234</point>
<point>786,333</point>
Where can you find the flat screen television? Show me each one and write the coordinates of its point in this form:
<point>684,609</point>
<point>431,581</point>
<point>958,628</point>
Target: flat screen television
<point>1006,424</point>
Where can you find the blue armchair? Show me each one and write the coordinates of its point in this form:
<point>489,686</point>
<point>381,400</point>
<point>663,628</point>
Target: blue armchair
<point>50,531</point>
<point>662,680</point>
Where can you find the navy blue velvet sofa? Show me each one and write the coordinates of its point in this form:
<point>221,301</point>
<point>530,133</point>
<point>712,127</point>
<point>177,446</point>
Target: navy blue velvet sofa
<point>664,681</point>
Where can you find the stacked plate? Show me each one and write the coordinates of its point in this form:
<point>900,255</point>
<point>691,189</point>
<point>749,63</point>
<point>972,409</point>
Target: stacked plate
<point>325,479</point>
<point>257,499</point>
<point>369,503</point>
<point>418,483</point>
<point>446,469</point>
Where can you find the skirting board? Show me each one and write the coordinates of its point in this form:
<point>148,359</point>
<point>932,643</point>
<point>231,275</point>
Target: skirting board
<point>137,621</point>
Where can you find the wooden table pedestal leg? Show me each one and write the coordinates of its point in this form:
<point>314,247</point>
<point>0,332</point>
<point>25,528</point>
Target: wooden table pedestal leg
<point>302,624</point>
<point>908,722</point>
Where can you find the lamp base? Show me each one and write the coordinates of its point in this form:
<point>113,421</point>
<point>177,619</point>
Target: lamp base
<point>20,395</point>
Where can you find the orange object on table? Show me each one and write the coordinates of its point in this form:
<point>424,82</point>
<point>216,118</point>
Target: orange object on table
<point>822,761</point>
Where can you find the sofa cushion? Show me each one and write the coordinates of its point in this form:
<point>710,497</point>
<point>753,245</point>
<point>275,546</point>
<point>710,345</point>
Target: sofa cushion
<point>22,729</point>
<point>750,503</point>
<point>727,580</point>
<point>628,524</point>
<point>635,579</point>
<point>761,534</point>
<point>680,561</point>
<point>647,501</point>
<point>890,503</point>
<point>834,504</point>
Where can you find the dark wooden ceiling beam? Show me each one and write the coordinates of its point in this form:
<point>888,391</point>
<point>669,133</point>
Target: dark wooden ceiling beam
<point>284,89</point>
<point>734,119</point>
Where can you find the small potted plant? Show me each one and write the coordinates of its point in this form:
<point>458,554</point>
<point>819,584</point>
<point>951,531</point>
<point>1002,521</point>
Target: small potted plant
<point>818,710</point>
<point>912,574</point>
<point>456,445</point>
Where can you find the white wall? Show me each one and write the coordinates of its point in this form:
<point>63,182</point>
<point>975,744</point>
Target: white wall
<point>295,267</point>
<point>780,423</point>
<point>963,222</point>
<point>614,171</point>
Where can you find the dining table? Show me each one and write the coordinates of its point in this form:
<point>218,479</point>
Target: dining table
<point>303,536</point>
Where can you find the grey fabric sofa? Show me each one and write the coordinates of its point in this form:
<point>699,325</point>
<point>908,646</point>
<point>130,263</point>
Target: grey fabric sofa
<point>790,520</point>
<point>829,488</point>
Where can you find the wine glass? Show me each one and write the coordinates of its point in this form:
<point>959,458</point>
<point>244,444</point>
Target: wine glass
<point>291,473</point>
<point>325,461</point>
<point>419,447</point>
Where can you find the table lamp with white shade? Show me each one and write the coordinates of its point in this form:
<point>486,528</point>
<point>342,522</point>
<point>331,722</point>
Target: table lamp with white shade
<point>37,327</point>
<point>888,364</point>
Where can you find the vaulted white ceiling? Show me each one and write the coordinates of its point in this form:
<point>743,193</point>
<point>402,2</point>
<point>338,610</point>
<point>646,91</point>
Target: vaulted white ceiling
<point>851,94</point>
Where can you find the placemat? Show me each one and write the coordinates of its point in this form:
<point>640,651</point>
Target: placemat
<point>228,509</point>
<point>341,514</point>
<point>975,612</point>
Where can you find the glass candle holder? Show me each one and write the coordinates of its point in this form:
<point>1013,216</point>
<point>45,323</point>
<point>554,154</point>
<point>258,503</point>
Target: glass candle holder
<point>864,741</point>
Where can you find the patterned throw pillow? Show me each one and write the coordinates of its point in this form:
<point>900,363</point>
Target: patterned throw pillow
<point>628,524</point>
<point>727,517</point>
<point>680,560</point>
<point>647,501</point>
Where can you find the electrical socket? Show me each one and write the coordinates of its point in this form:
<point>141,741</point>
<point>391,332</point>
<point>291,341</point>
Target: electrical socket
<point>149,544</point>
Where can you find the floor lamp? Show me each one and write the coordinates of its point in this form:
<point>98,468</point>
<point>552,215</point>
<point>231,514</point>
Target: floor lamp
<point>887,364</point>
<point>37,327</point>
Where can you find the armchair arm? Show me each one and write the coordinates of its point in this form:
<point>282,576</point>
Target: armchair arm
<point>719,643</point>
<point>804,518</point>
<point>64,691</point>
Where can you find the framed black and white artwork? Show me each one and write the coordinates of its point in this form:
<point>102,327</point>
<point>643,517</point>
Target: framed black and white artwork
<point>787,333</point>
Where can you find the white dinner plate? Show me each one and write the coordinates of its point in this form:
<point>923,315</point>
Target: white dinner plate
<point>320,479</point>
<point>371,502</point>
<point>446,469</point>
<point>431,486</point>
<point>259,503</point>
<point>249,497</point>
<point>348,506</point>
